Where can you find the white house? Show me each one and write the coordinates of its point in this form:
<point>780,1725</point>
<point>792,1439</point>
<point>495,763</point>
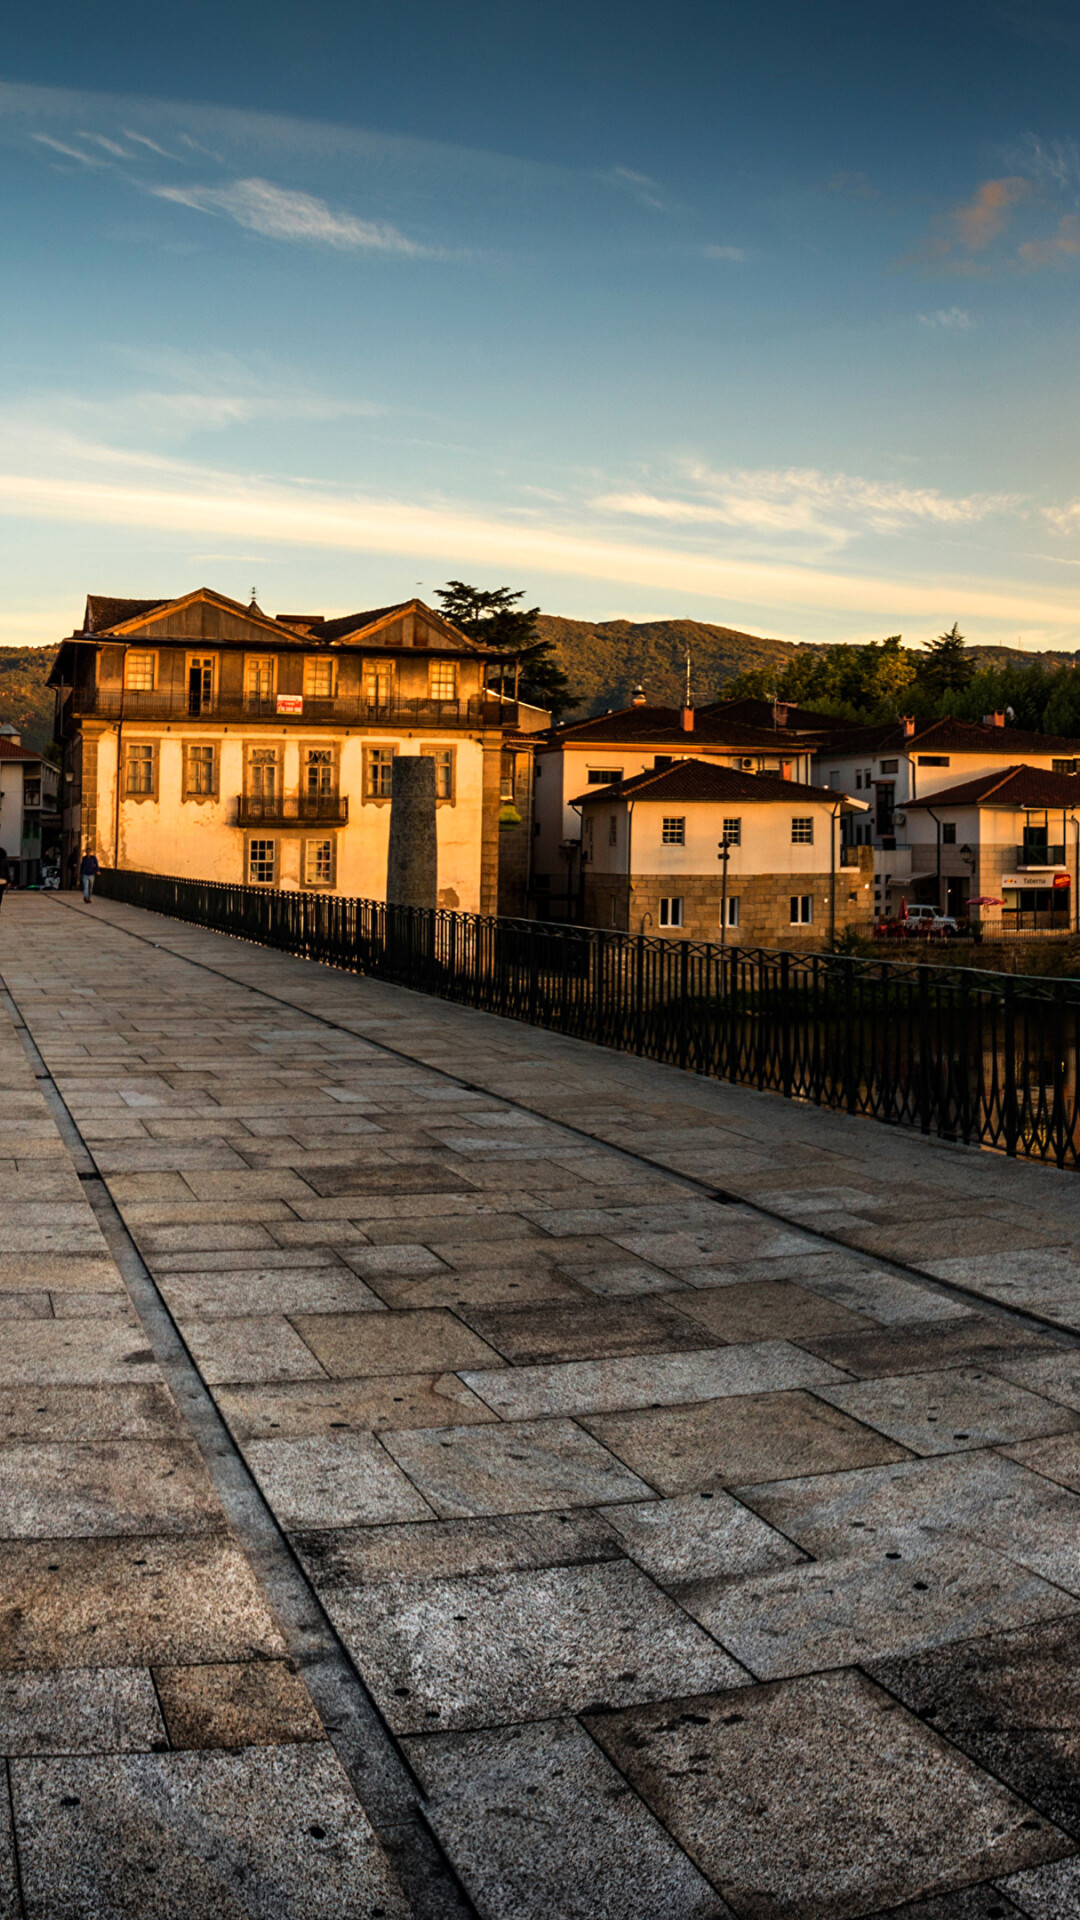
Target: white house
<point>893,766</point>
<point>618,746</point>
<point>1009,840</point>
<point>28,807</point>
<point>653,856</point>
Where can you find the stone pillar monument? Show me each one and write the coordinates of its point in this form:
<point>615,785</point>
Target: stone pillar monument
<point>412,865</point>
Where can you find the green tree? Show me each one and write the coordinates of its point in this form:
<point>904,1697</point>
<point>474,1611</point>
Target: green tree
<point>946,665</point>
<point>495,619</point>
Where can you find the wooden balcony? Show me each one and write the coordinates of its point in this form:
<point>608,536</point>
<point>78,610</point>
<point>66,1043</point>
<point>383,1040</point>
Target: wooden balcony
<point>292,810</point>
<point>349,710</point>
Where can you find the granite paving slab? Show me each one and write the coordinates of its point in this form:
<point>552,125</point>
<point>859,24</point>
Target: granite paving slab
<point>950,1410</point>
<point>976,1341</point>
<point>489,1649</point>
<point>600,1386</point>
<point>273,1833</point>
<point>980,1495</point>
<point>362,1344</point>
<point>325,1406</point>
<point>491,1287</point>
<point>76,1353</point>
<point>699,1536</point>
<point>1011,1701</point>
<point>363,1556</point>
<point>206,1296</point>
<point>68,1488</point>
<point>841,1612</point>
<point>768,1436</point>
<point>1056,1459</point>
<point>1047,1893</point>
<point>767,1310</point>
<point>586,1330</point>
<point>241,1703</point>
<point>115,1602</point>
<point>519,1466</point>
<point>538,1822</point>
<point>333,1480</point>
<point>257,1346</point>
<point>819,1798</point>
<point>80,1710</point>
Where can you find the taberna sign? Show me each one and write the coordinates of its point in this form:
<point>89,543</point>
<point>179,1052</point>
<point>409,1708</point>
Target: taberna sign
<point>1036,881</point>
<point>290,703</point>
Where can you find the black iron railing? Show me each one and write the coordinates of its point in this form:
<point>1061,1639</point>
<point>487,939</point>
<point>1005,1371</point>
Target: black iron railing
<point>349,709</point>
<point>290,809</point>
<point>991,1059</point>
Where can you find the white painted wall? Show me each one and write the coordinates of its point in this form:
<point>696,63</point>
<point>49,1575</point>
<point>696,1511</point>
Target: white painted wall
<point>766,843</point>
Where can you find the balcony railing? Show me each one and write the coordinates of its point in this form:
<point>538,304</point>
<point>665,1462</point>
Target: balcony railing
<point>354,709</point>
<point>292,809</point>
<point>1040,855</point>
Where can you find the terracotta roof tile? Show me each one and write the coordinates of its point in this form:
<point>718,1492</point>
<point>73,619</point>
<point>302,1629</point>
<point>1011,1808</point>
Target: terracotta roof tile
<point>663,726</point>
<point>1008,787</point>
<point>704,780</point>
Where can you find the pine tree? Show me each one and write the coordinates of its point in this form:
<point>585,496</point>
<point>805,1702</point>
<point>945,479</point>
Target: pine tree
<point>946,666</point>
<point>495,619</point>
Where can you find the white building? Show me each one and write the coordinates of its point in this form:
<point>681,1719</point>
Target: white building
<point>617,747</point>
<point>653,860</point>
<point>893,766</point>
<point>1010,840</point>
<point>28,807</point>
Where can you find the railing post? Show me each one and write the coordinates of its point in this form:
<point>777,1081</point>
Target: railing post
<point>926,1098</point>
<point>1012,1117</point>
<point>785,1024</point>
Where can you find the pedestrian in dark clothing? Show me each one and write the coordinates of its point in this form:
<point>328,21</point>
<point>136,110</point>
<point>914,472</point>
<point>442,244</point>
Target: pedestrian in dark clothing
<point>88,873</point>
<point>5,875</point>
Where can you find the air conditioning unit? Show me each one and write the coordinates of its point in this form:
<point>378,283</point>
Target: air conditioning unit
<point>747,766</point>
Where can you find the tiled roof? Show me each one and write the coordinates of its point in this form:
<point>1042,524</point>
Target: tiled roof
<point>9,751</point>
<point>352,622</point>
<point>704,780</point>
<point>103,611</point>
<point>1009,787</point>
<point>759,713</point>
<point>951,736</point>
<point>662,726</point>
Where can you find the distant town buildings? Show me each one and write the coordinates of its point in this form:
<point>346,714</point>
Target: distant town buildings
<point>29,819</point>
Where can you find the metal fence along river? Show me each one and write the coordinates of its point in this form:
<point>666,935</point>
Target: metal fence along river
<point>984,1058</point>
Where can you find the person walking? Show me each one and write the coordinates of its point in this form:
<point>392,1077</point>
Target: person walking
<point>88,873</point>
<point>5,875</point>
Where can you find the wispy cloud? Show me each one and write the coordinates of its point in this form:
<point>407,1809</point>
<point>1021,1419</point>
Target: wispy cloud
<point>173,499</point>
<point>949,319</point>
<point>829,508</point>
<point>647,192</point>
<point>978,221</point>
<point>1059,250</point>
<point>280,213</point>
<point>724,253</point>
<point>69,152</point>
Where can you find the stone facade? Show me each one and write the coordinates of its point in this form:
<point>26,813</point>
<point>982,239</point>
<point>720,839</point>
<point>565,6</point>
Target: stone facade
<point>764,904</point>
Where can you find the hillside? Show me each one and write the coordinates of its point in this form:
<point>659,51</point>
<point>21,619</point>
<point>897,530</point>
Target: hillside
<point>605,662</point>
<point>25,700</point>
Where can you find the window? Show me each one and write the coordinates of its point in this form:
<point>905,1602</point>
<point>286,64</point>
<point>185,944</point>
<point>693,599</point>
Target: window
<point>858,782</point>
<point>802,830</point>
<point>200,682</point>
<point>834,777</point>
<point>674,833</point>
<point>444,773</point>
<point>442,680</point>
<point>259,677</point>
<point>31,793</point>
<point>660,761</point>
<point>380,773</point>
<point>885,797</point>
<point>890,766</point>
<point>318,863</point>
<point>507,773</point>
<point>262,771</point>
<point>140,769</point>
<point>140,672</point>
<point>587,838</point>
<point>733,833</point>
<point>933,759</point>
<point>948,833</point>
<point>613,830</point>
<point>1063,766</point>
<point>378,683</point>
<point>319,679</point>
<point>671,912</point>
<point>319,771</point>
<point>732,917</point>
<point>262,862</point>
<point>600,776</point>
<point>802,909</point>
<point>200,770</point>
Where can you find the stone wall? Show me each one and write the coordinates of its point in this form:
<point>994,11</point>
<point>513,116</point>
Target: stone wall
<point>764,904</point>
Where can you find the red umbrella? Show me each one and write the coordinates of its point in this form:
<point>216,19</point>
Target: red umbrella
<point>902,915</point>
<point>985,900</point>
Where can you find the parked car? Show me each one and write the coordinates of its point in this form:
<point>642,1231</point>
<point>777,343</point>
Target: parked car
<point>923,921</point>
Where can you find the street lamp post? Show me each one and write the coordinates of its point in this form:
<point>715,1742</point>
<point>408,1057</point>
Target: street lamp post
<point>723,856</point>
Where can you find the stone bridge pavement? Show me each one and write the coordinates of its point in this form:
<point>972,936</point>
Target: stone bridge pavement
<point>446,1468</point>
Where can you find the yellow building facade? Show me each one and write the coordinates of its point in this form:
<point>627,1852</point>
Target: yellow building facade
<point>210,740</point>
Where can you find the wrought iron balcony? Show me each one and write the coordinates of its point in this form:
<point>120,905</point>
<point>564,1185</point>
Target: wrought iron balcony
<point>1040,854</point>
<point>292,810</point>
<point>353,709</point>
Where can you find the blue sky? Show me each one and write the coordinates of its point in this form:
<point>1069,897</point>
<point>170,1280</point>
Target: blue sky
<point>764,316</point>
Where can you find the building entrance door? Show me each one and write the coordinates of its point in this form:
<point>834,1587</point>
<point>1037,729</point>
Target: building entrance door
<point>200,685</point>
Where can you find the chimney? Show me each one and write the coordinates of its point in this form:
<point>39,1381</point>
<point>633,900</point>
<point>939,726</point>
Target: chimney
<point>780,713</point>
<point>907,721</point>
<point>993,719</point>
<point>637,698</point>
<point>688,719</point>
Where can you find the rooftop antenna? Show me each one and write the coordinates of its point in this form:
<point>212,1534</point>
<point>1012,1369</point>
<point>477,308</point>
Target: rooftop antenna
<point>254,596</point>
<point>687,701</point>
